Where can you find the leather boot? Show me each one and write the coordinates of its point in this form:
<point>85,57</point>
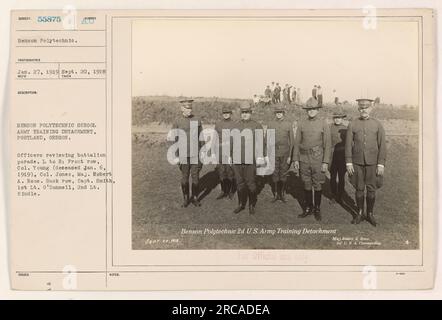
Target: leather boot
<point>279,190</point>
<point>223,189</point>
<point>195,193</point>
<point>370,214</point>
<point>227,186</point>
<point>283,186</point>
<point>185,190</point>
<point>252,202</point>
<point>231,189</point>
<point>339,197</point>
<point>360,215</point>
<point>341,190</point>
<point>308,203</point>
<point>317,209</point>
<point>241,201</point>
<point>274,191</point>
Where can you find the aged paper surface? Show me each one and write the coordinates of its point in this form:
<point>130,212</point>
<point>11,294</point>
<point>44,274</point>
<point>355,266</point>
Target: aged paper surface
<point>95,202</point>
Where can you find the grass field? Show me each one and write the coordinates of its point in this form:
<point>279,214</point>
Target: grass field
<point>158,218</point>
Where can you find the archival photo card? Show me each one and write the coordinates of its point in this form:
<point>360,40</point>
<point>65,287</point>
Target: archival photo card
<point>222,149</point>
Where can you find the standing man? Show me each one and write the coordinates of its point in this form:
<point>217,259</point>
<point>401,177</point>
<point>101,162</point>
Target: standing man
<point>273,93</point>
<point>319,93</point>
<point>365,155</point>
<point>224,168</point>
<point>293,94</point>
<point>314,92</point>
<point>277,93</point>
<point>338,167</point>
<point>191,165</point>
<point>285,94</point>
<point>312,152</point>
<point>245,170</point>
<point>268,92</point>
<point>284,141</point>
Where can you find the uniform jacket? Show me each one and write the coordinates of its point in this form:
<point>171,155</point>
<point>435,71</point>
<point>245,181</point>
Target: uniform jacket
<point>312,141</point>
<point>219,126</point>
<point>284,137</point>
<point>183,123</point>
<point>247,142</point>
<point>365,142</point>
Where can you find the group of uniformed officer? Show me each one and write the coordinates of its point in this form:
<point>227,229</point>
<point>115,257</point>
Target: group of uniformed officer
<point>359,150</point>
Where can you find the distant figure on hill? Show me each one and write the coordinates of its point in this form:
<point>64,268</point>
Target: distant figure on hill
<point>285,94</point>
<point>319,94</point>
<point>268,92</point>
<point>377,101</point>
<point>277,93</point>
<point>336,99</point>
<point>298,96</point>
<point>293,94</point>
<point>273,87</point>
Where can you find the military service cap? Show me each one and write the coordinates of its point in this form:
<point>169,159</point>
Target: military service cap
<point>279,109</point>
<point>364,103</point>
<point>226,109</point>
<point>311,103</point>
<point>339,114</point>
<point>245,106</point>
<point>186,103</point>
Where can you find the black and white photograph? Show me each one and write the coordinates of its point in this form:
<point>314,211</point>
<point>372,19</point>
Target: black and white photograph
<point>333,156</point>
<point>243,149</point>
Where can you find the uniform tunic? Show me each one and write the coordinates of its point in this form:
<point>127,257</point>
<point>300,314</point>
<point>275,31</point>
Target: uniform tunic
<point>245,170</point>
<point>191,165</point>
<point>284,141</point>
<point>312,148</point>
<point>365,148</point>
<point>224,169</point>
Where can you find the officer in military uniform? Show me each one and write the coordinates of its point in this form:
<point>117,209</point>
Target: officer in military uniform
<point>311,155</point>
<point>191,165</point>
<point>365,155</point>
<point>224,168</point>
<point>244,166</point>
<point>338,168</point>
<point>284,141</point>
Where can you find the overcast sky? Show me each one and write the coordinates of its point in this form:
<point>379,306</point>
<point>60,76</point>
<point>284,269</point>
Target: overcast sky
<point>236,59</point>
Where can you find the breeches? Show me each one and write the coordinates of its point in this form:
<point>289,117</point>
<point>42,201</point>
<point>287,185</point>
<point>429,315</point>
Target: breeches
<point>311,175</point>
<point>245,176</point>
<point>281,168</point>
<point>192,170</point>
<point>365,178</point>
<point>225,171</point>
